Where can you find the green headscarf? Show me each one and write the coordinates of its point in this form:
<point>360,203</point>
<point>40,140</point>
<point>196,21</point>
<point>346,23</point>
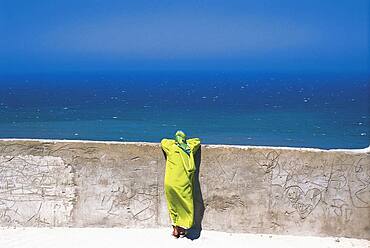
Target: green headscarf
<point>180,139</point>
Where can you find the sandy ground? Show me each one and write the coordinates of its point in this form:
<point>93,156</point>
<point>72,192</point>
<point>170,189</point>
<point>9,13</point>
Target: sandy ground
<point>119,237</point>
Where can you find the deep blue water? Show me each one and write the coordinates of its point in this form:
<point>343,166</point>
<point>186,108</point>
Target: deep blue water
<point>220,108</point>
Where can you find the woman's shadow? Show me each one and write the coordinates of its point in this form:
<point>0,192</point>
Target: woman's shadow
<point>194,232</point>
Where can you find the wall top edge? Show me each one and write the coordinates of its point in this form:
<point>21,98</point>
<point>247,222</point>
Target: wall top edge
<point>246,147</point>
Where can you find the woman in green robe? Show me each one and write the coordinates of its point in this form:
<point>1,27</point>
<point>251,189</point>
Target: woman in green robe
<point>178,181</point>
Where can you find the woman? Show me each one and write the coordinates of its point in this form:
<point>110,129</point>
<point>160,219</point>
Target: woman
<point>178,181</point>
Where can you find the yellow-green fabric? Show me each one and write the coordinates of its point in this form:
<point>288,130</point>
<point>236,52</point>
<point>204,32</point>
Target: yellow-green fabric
<point>178,181</point>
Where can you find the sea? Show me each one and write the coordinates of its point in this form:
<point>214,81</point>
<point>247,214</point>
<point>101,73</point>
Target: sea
<point>233,107</point>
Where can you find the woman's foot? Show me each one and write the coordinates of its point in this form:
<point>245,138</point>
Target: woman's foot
<point>175,232</point>
<point>181,231</point>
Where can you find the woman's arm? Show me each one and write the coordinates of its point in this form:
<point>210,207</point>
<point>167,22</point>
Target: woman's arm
<point>166,144</point>
<point>194,144</point>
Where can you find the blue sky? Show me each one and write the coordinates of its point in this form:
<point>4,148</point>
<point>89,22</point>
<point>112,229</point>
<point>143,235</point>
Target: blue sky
<point>66,36</point>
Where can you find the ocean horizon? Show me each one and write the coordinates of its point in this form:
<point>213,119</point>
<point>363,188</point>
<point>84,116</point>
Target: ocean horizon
<point>235,108</point>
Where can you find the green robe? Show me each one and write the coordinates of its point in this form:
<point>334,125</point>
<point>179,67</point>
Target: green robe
<point>178,181</point>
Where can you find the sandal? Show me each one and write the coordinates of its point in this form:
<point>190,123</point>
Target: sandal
<point>175,232</point>
<point>181,231</point>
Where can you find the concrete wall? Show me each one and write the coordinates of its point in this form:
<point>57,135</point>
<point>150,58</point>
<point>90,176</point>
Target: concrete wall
<point>245,189</point>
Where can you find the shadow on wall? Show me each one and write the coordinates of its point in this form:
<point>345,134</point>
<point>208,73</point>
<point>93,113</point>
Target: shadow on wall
<point>194,232</point>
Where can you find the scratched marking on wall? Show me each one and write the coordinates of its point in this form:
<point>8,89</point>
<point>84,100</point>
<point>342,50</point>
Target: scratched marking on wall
<point>140,204</point>
<point>113,190</point>
<point>35,191</point>
<point>301,185</point>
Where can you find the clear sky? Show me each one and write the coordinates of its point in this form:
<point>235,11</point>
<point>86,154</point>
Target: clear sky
<point>274,36</point>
